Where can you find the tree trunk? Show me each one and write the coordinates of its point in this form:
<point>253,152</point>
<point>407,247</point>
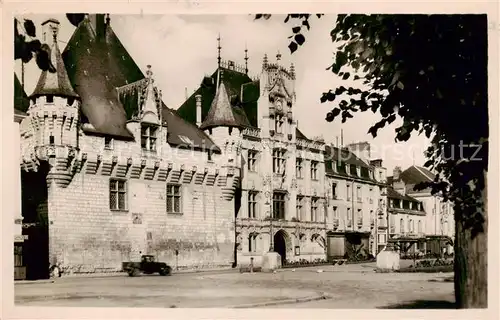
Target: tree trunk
<point>471,265</point>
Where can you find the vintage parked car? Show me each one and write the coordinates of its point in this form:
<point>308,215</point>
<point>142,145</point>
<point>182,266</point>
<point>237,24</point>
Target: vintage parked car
<point>148,265</point>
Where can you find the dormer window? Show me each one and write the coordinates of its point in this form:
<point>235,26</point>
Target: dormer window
<point>71,101</point>
<point>108,143</point>
<point>50,99</point>
<point>148,137</point>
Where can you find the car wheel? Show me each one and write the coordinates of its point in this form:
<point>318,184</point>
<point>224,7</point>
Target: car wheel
<point>133,272</point>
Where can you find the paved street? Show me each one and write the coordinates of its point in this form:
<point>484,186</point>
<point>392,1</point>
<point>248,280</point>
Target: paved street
<point>352,286</point>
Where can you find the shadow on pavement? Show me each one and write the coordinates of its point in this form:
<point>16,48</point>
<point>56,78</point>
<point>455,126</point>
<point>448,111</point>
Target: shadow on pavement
<point>423,304</point>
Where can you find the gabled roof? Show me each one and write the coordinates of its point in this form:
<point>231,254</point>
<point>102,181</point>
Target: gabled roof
<point>222,114</point>
<point>98,68</point>
<point>393,194</point>
<point>21,101</point>
<point>54,83</point>
<point>242,92</point>
<point>413,176</point>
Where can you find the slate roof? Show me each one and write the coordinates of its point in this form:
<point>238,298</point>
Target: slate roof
<point>221,112</point>
<point>21,101</point>
<point>393,194</point>
<point>347,158</point>
<point>98,66</point>
<point>242,93</point>
<point>414,175</point>
<point>54,83</point>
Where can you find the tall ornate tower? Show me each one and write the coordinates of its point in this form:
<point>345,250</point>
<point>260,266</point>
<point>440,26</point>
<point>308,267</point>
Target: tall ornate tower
<point>277,100</point>
<point>51,129</point>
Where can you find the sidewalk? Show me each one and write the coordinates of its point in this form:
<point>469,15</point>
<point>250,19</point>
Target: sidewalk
<point>122,274</point>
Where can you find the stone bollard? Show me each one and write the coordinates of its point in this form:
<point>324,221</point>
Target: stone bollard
<point>251,265</point>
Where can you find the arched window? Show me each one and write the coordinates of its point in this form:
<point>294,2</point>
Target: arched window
<point>401,226</point>
<point>409,225</point>
<point>419,226</point>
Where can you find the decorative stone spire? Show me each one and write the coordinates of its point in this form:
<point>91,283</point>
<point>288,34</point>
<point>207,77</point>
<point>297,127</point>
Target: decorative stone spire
<point>246,59</point>
<point>149,110</point>
<point>54,83</point>
<point>218,51</point>
<point>278,56</point>
<point>265,61</point>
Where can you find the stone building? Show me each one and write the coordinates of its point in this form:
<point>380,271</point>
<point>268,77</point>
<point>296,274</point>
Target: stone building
<point>356,200</point>
<point>109,172</point>
<point>417,214</point>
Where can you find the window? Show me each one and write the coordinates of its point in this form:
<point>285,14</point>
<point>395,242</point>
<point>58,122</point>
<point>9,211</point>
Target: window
<point>298,167</point>
<point>358,193</point>
<point>252,204</point>
<point>252,160</point>
<point>402,226</point>
<point>334,190</point>
<point>278,124</point>
<point>108,143</point>
<point>51,139</point>
<point>252,242</point>
<point>50,99</point>
<point>18,256</point>
<point>279,161</point>
<point>314,170</point>
<point>173,198</point>
<point>349,216</point>
<point>299,207</point>
<point>335,213</point>
<point>279,205</point>
<point>117,194</point>
<point>148,137</point>
<point>314,209</point>
<point>419,225</point>
<point>348,192</point>
<point>209,155</point>
<point>410,222</point>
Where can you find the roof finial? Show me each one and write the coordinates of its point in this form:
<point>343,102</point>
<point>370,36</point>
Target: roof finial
<point>149,73</point>
<point>218,49</point>
<point>264,61</point>
<point>278,56</point>
<point>246,59</point>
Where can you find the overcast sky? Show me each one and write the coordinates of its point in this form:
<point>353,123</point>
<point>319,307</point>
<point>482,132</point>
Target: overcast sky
<point>182,49</point>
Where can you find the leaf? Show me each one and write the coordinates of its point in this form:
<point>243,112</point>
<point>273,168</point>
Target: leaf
<point>391,118</point>
<point>293,47</point>
<point>287,18</point>
<point>300,39</point>
<point>43,59</point>
<point>400,85</point>
<point>30,28</point>
<point>296,29</point>
<point>306,24</point>
<point>346,76</point>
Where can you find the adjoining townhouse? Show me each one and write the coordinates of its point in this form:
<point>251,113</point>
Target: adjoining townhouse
<point>357,214</point>
<point>419,215</point>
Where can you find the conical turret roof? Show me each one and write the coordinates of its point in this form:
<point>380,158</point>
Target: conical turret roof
<point>222,113</point>
<point>55,83</point>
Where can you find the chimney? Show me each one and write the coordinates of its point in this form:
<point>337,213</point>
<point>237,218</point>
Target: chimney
<point>99,25</point>
<point>396,173</point>
<point>198,110</point>
<point>50,30</point>
<point>361,150</point>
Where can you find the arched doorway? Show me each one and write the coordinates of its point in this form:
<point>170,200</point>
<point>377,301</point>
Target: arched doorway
<point>280,244</point>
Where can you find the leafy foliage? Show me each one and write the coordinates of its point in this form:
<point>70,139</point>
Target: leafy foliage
<point>26,47</point>
<point>297,38</point>
<point>431,71</point>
